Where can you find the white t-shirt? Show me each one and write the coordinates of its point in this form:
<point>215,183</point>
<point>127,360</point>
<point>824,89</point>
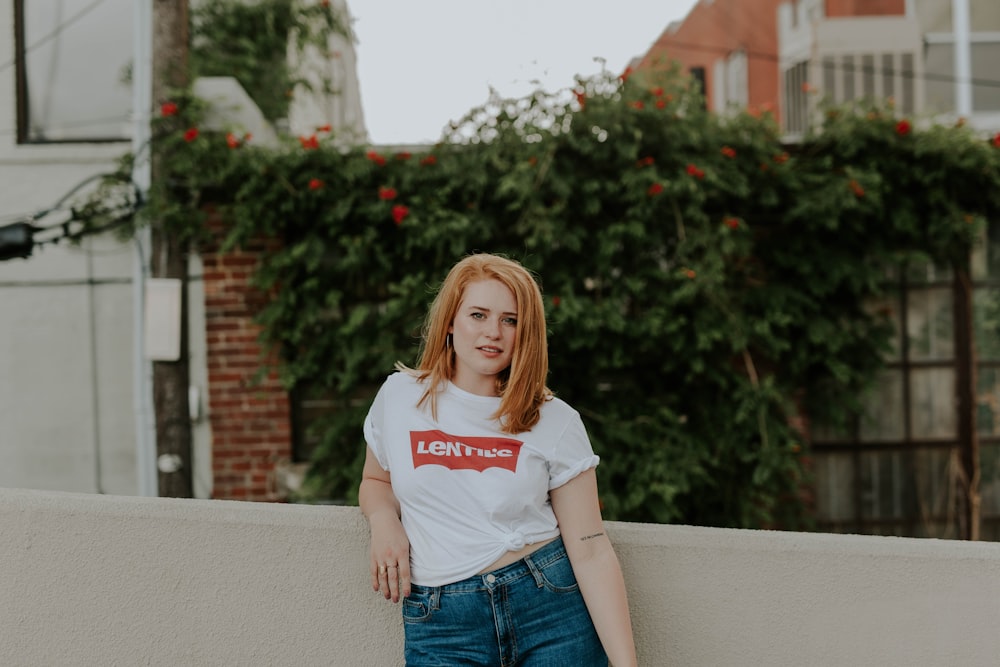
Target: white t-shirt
<point>468,492</point>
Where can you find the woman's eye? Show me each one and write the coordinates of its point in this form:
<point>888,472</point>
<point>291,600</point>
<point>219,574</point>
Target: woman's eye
<point>478,315</point>
<point>510,321</point>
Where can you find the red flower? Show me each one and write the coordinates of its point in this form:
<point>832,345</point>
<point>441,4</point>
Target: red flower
<point>232,140</point>
<point>428,161</point>
<point>781,158</point>
<point>323,128</point>
<point>168,109</point>
<point>191,134</point>
<point>405,155</point>
<point>654,189</point>
<point>399,213</point>
<point>732,223</point>
<point>856,188</point>
<point>690,273</point>
<point>903,127</point>
<point>315,184</point>
<point>309,143</point>
<point>638,104</point>
<point>645,162</point>
<point>386,194</point>
<point>661,104</point>
<point>376,158</point>
<point>556,301</point>
<point>996,140</point>
<point>657,92</point>
<point>692,170</point>
<point>581,98</point>
<point>728,152</point>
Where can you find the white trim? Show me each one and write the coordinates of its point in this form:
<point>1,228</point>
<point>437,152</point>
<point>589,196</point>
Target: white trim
<point>974,37</point>
<point>963,56</point>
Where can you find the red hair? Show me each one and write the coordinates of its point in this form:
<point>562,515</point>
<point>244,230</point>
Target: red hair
<point>521,386</point>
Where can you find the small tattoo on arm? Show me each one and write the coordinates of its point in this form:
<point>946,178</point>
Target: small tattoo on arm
<point>590,537</point>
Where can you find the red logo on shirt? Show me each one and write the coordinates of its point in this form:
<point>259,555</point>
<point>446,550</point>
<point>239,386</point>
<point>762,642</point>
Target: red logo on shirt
<point>463,452</point>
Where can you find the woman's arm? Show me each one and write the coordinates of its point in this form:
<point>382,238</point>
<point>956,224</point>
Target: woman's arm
<point>595,565</point>
<point>389,544</point>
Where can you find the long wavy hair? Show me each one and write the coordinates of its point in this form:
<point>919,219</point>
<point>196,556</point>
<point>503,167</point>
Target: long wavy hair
<point>521,386</point>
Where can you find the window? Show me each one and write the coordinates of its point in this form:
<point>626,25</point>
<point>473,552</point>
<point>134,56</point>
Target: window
<point>729,83</point>
<point>940,54</point>
<point>698,76</point>
<point>796,111</point>
<point>895,471</point>
<point>73,68</point>
<point>849,77</point>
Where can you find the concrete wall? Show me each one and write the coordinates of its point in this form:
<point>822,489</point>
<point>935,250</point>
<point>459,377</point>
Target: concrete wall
<point>103,580</point>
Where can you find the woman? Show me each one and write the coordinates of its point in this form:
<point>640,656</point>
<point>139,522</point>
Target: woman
<point>480,490</point>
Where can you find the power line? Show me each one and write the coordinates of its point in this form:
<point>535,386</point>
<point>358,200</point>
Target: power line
<point>55,33</point>
<point>836,64</point>
<point>28,235</point>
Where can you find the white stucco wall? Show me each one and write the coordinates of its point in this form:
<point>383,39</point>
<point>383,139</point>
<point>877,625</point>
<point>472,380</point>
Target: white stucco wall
<point>103,580</point>
<point>66,418</point>
<point>67,388</point>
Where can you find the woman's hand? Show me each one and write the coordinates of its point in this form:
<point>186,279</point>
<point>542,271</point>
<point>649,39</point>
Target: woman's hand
<point>390,548</point>
<point>390,556</point>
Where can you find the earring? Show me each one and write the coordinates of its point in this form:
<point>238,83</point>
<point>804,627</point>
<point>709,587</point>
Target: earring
<point>447,341</point>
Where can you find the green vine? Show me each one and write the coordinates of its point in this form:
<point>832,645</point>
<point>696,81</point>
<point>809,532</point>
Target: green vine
<point>249,41</point>
<point>705,284</point>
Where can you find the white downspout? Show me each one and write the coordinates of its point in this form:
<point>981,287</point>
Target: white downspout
<point>963,58</point>
<point>142,371</point>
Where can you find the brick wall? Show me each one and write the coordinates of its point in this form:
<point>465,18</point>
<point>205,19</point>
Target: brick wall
<point>712,31</point>
<point>837,8</point>
<point>249,418</point>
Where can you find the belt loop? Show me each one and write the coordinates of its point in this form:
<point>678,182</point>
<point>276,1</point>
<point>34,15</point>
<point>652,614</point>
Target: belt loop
<point>435,599</point>
<point>535,573</point>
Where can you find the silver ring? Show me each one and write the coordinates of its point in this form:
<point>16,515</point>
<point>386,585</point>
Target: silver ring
<point>381,569</point>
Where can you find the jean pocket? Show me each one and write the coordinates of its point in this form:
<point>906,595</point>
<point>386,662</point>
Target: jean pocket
<point>417,607</point>
<point>557,576</point>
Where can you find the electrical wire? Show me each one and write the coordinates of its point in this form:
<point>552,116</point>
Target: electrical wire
<point>73,228</point>
<point>773,57</point>
<point>759,55</point>
<point>835,65</point>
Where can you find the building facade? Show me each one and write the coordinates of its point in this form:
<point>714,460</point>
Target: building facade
<point>934,415</point>
<point>793,57</point>
<point>729,47</point>
<point>74,381</point>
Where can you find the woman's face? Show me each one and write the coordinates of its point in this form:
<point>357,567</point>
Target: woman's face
<point>483,334</point>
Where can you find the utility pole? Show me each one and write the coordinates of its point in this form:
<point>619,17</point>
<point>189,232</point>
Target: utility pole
<point>142,369</point>
<point>969,511</point>
<point>168,259</point>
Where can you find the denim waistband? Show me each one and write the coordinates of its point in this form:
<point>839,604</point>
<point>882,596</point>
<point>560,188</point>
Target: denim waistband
<point>526,567</point>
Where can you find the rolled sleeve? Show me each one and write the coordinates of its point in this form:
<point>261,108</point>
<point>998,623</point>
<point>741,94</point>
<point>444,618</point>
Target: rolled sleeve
<point>573,455</point>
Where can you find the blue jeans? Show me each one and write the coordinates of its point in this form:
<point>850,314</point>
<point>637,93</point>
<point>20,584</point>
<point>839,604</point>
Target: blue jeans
<point>529,614</point>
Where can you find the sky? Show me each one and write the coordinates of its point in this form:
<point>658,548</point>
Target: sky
<point>422,64</point>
